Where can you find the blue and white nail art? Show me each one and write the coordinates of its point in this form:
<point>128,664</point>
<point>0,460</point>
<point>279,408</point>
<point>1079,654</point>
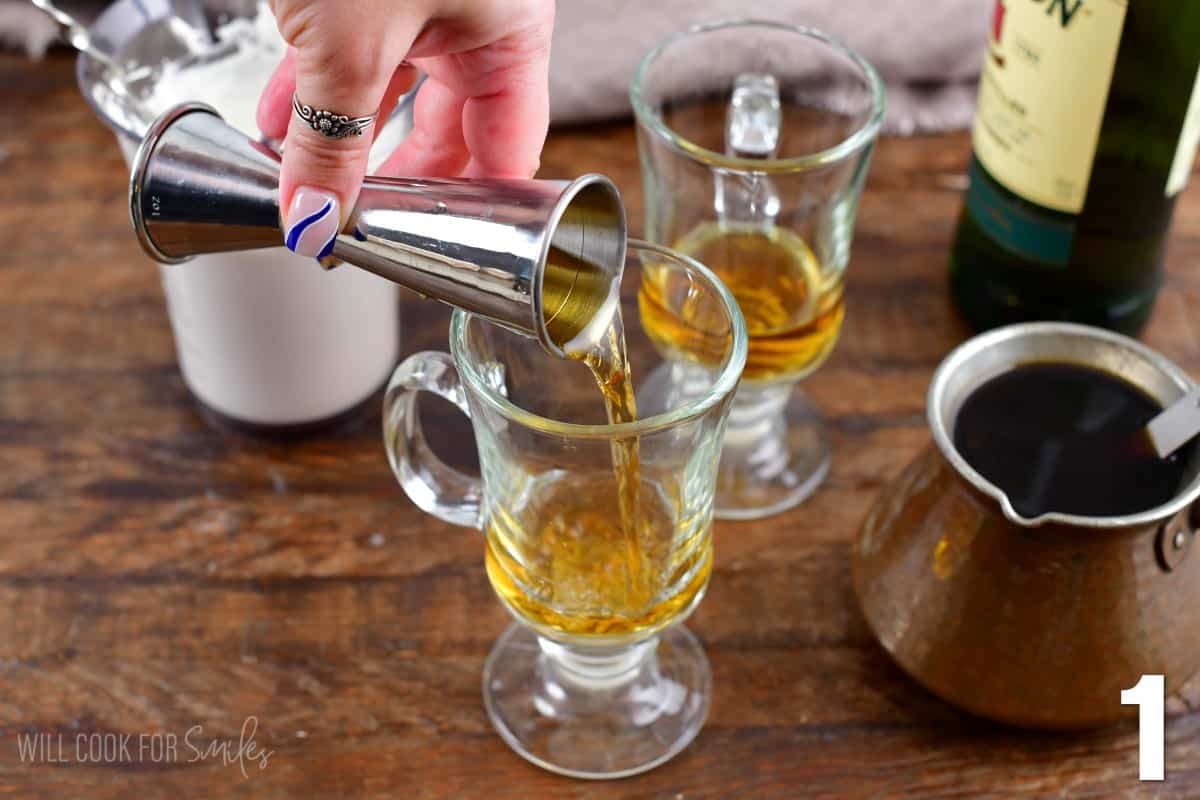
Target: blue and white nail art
<point>312,223</point>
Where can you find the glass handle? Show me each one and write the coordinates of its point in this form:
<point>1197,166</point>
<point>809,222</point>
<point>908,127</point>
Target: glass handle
<point>752,129</point>
<point>433,486</point>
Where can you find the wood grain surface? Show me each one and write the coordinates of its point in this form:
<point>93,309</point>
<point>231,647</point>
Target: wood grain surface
<point>158,576</point>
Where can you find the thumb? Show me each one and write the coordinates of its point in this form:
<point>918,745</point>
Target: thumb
<point>340,72</point>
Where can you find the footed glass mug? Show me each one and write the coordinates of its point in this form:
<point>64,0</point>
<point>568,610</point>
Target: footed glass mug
<point>755,140</point>
<point>596,679</point>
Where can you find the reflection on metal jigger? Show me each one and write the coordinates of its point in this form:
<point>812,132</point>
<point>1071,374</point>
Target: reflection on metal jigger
<point>541,257</point>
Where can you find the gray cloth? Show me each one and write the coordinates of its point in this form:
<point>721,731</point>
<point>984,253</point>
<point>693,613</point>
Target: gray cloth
<point>929,51</point>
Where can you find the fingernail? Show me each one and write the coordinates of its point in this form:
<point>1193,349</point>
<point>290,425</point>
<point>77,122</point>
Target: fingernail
<point>311,226</point>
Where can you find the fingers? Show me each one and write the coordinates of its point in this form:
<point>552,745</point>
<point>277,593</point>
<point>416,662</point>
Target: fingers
<point>342,69</point>
<point>435,146</point>
<point>401,83</point>
<point>505,131</point>
<point>275,104</point>
<point>507,111</point>
<point>483,112</point>
<point>320,172</point>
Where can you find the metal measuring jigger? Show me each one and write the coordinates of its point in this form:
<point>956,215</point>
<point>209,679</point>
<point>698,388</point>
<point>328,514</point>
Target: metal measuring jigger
<point>541,257</point>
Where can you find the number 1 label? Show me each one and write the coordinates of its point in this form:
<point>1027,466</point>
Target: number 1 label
<point>1147,695</point>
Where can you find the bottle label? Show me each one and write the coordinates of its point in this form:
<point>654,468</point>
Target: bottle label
<point>1185,151</point>
<point>1030,236</point>
<point>1042,95</point>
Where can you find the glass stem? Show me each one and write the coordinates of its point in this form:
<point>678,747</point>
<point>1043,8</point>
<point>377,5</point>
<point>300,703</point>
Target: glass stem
<point>757,414</point>
<point>597,667</point>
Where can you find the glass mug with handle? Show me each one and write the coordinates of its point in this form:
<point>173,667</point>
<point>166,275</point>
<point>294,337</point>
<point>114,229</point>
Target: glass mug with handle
<point>755,139</point>
<point>599,535</point>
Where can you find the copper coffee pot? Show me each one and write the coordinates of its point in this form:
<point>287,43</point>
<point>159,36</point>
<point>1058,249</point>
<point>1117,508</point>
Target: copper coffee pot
<point>1034,622</point>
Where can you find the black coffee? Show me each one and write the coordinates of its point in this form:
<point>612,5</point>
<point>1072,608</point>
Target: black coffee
<point>1067,438</point>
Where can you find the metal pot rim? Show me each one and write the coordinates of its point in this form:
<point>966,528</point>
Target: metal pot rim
<point>969,351</point>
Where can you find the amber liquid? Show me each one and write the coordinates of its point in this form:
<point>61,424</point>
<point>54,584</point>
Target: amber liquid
<point>567,564</point>
<point>608,361</point>
<point>793,310</point>
<point>600,554</point>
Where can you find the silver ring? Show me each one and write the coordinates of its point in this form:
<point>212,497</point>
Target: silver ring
<point>330,123</point>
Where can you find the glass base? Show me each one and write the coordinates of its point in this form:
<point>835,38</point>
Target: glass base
<point>775,454</point>
<point>597,712</point>
<point>776,451</point>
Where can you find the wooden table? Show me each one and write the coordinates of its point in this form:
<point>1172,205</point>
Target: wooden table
<point>157,575</point>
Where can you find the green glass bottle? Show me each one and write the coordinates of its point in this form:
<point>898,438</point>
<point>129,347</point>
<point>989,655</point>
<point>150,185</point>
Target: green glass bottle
<point>1085,134</point>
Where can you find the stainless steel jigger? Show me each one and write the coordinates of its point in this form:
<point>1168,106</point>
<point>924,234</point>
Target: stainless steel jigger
<point>541,257</point>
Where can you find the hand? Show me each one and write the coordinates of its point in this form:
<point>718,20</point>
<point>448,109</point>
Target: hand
<point>482,112</point>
